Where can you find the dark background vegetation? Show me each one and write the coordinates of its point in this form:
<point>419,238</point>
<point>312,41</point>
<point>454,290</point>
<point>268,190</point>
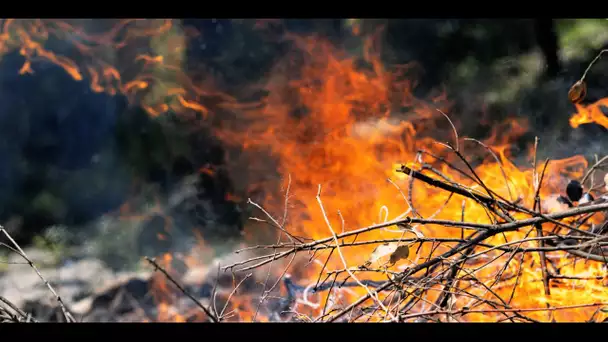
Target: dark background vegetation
<point>68,155</point>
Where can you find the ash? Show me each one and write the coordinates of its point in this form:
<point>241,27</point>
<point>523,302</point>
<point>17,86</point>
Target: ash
<point>94,292</point>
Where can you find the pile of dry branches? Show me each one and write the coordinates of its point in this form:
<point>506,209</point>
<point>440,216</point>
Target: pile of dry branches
<point>401,297</point>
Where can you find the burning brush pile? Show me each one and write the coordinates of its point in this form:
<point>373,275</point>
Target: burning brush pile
<point>364,202</point>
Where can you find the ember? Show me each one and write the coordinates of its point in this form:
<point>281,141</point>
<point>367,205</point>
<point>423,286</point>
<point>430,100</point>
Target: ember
<point>365,201</point>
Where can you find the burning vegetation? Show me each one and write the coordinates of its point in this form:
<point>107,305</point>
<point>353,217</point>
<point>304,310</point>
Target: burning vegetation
<point>365,203</point>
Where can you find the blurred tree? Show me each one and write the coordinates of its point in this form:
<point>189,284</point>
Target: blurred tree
<point>439,45</point>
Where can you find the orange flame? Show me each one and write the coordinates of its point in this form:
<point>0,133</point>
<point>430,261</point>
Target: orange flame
<point>590,113</point>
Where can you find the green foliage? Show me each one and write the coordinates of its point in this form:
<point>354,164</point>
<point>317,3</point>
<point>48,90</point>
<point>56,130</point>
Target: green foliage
<point>4,252</point>
<point>150,144</point>
<point>47,204</point>
<point>580,38</point>
<point>117,244</point>
<point>58,250</point>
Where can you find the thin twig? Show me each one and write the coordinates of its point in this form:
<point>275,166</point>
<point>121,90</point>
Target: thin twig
<point>593,168</point>
<point>21,313</point>
<point>372,295</point>
<point>232,294</point>
<point>456,145</point>
<point>498,162</point>
<point>591,64</point>
<point>66,314</point>
<point>157,267</point>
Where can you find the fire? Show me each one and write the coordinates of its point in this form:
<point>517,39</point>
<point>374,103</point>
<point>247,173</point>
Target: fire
<point>590,113</point>
<point>139,58</point>
<point>348,139</point>
<point>343,123</point>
